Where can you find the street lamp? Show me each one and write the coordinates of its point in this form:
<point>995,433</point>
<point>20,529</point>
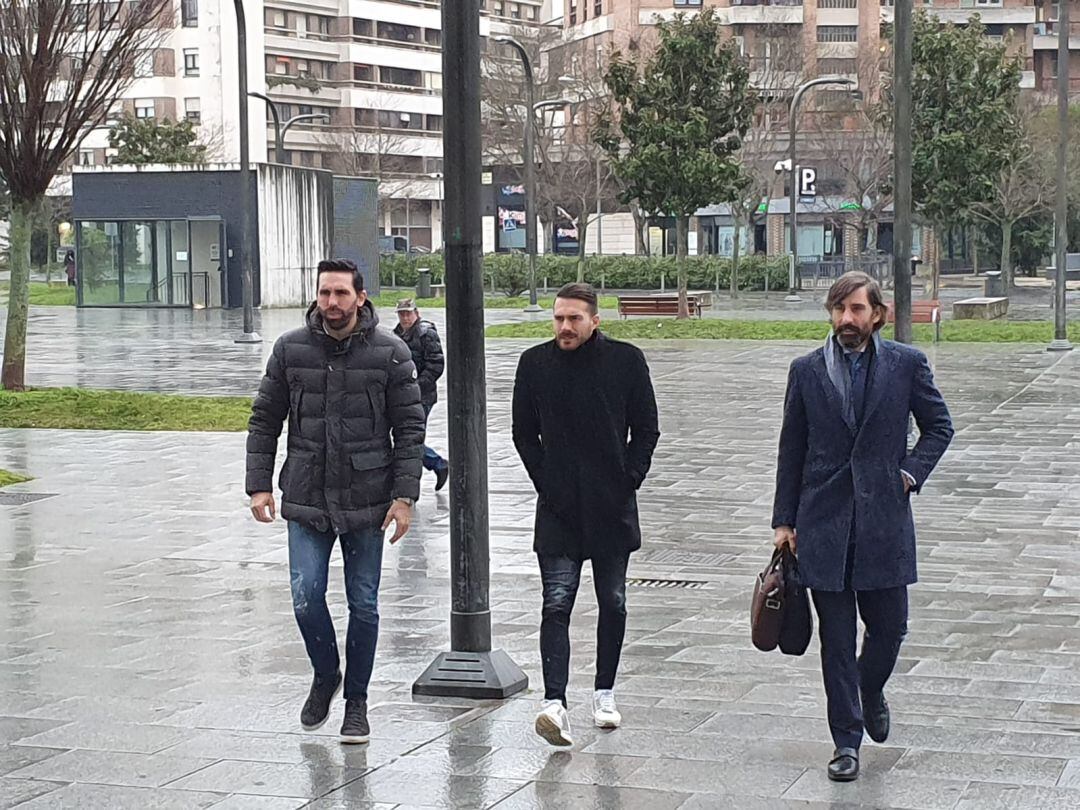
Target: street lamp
<point>280,130</point>
<point>1060,342</point>
<point>793,296</point>
<point>246,182</point>
<point>531,108</point>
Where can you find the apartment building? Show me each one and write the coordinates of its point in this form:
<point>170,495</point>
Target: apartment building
<point>372,69</point>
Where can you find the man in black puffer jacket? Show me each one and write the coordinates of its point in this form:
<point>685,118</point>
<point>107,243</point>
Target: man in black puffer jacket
<point>423,341</point>
<point>356,437</point>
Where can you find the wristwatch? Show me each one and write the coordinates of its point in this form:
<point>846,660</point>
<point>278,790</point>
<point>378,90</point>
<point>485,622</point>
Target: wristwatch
<point>406,501</point>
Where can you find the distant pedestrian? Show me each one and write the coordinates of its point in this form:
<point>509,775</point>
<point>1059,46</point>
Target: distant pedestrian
<point>356,429</point>
<point>844,476</point>
<point>423,341</point>
<point>585,426</point>
<point>69,267</point>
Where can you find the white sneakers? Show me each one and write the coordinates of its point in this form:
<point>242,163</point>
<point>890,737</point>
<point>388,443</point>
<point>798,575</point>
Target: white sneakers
<point>553,723</point>
<point>605,714</point>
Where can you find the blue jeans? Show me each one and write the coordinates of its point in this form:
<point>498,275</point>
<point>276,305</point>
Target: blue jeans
<point>561,577</point>
<point>432,460</point>
<point>309,568</point>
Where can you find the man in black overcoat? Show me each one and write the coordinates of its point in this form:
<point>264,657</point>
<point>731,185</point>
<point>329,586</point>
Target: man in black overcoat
<point>585,426</point>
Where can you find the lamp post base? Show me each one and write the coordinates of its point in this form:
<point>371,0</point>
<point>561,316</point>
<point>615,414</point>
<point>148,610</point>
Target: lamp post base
<point>1059,346</point>
<point>533,308</point>
<point>480,676</point>
<point>792,298</point>
<point>249,337</point>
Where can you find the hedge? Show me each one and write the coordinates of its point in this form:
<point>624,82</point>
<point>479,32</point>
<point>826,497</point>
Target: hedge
<point>508,273</point>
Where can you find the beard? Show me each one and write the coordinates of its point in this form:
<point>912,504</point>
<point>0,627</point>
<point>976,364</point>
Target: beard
<point>852,337</point>
<point>338,318</point>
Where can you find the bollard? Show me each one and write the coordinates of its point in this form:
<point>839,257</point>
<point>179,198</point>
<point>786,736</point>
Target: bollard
<point>423,282</point>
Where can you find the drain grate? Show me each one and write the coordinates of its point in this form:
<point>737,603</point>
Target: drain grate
<point>23,498</point>
<point>686,584</point>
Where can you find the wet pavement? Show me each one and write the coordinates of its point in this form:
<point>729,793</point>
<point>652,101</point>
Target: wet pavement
<point>150,656</point>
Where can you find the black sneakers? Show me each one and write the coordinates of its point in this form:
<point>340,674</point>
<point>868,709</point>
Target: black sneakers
<point>317,706</point>
<point>355,730</point>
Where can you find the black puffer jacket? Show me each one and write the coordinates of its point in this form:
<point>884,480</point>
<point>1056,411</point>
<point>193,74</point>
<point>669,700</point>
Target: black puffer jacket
<point>426,348</point>
<point>356,427</point>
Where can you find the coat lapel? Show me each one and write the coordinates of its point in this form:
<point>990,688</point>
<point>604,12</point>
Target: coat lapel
<point>883,366</point>
<point>836,401</point>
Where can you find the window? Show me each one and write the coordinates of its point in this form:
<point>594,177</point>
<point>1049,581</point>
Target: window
<point>361,28</point>
<point>1053,65</point>
<point>573,12</point>
<point>304,109</point>
<point>302,68</point>
<point>363,73</point>
<point>498,8</point>
<point>598,8</point>
<point>401,76</point>
<point>275,19</point>
<point>86,157</point>
<point>191,62</point>
<point>838,4</point>
<point>683,3</point>
<point>837,67</point>
<point>838,33</point>
<point>433,165</point>
<point>515,11</point>
<point>144,108</point>
<point>78,15</point>
<point>987,3</point>
<point>532,13</point>
<point>193,110</point>
<point>398,33</point>
<point>433,37</point>
<point>281,66</point>
<point>434,123</point>
<point>144,64</point>
<point>189,13</point>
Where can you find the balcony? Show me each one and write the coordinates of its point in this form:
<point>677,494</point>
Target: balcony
<point>1046,37</point>
<point>990,15</point>
<point>774,12</point>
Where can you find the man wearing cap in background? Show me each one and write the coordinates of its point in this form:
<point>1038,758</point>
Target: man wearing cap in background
<point>423,341</point>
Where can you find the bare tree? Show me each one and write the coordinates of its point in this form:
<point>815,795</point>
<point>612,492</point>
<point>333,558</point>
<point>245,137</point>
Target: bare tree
<point>64,65</point>
<point>776,70</point>
<point>1024,187</point>
<point>573,177</point>
<point>854,136</point>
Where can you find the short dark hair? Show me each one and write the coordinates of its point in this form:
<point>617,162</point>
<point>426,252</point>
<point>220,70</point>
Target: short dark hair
<point>343,266</point>
<point>580,292</point>
<point>851,282</point>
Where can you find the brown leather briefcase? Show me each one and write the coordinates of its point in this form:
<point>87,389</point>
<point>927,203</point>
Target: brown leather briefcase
<point>780,607</point>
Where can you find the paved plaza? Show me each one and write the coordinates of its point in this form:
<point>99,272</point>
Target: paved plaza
<point>151,659</point>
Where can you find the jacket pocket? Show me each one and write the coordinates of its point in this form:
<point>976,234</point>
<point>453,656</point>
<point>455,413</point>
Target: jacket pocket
<point>296,395</point>
<point>371,460</point>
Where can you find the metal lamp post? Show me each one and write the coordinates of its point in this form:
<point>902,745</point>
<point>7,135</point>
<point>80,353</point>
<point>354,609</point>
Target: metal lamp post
<point>247,190</point>
<point>793,296</point>
<point>281,129</point>
<point>1060,342</point>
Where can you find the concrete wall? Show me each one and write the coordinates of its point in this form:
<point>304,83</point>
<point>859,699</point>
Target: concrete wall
<point>296,218</point>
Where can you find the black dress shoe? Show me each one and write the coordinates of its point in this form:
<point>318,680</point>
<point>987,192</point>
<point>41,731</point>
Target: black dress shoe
<point>844,766</point>
<point>876,717</point>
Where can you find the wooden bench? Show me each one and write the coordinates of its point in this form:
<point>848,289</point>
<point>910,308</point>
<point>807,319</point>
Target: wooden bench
<point>922,312</point>
<point>656,305</point>
<point>980,309</point>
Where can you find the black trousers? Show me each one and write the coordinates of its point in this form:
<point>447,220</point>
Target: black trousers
<point>561,577</point>
<point>885,614</point>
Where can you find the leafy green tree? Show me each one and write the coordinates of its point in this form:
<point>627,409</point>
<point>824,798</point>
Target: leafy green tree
<point>680,115</point>
<point>965,118</point>
<point>142,141</point>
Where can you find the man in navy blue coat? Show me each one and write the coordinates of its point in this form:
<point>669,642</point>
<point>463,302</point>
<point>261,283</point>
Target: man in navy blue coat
<point>844,478</point>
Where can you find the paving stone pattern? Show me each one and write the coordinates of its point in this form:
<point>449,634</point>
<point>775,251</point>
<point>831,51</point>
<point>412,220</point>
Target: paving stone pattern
<point>150,656</point>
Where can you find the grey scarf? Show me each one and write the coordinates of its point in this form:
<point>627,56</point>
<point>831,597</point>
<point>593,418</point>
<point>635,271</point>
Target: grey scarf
<point>839,374</point>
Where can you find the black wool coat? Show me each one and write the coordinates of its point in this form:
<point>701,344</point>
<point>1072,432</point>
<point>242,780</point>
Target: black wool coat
<point>356,426</point>
<point>585,426</point>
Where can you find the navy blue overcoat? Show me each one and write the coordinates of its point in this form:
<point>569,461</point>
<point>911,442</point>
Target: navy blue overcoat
<point>839,483</point>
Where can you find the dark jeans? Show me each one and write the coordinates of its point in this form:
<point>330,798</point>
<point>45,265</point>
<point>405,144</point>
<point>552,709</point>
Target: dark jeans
<point>432,460</point>
<point>885,614</point>
<point>309,566</point>
<point>561,577</point>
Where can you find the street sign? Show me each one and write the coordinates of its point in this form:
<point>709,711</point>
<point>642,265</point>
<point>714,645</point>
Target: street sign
<point>807,182</point>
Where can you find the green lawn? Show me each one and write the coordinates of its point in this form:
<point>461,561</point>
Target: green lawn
<point>78,409</point>
<point>58,294</point>
<point>714,329</point>
<point>8,478</point>
<point>389,299</point>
